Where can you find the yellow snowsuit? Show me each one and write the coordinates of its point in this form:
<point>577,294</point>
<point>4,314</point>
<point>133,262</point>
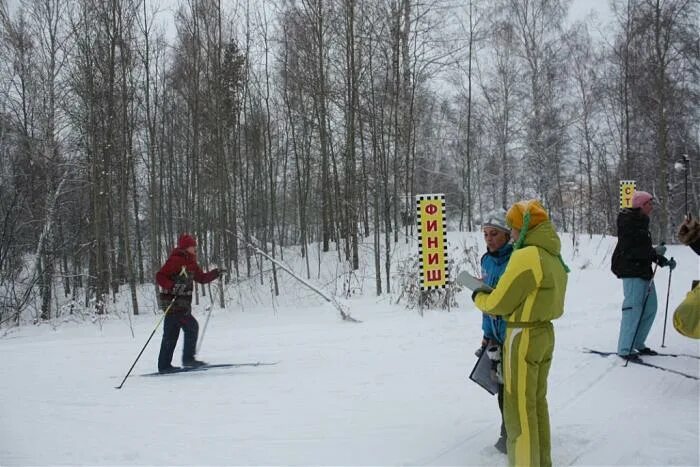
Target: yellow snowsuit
<point>686,318</point>
<point>529,295</point>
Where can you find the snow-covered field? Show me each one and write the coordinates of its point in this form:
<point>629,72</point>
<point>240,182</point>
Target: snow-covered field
<point>391,390</point>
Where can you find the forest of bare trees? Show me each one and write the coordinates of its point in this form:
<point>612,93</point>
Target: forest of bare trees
<point>300,122</point>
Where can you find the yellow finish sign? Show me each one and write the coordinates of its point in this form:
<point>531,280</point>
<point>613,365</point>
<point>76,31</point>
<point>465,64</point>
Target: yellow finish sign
<point>432,240</point>
<point>627,188</point>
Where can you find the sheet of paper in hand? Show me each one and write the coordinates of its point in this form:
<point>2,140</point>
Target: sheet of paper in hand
<point>482,374</point>
<point>471,282</point>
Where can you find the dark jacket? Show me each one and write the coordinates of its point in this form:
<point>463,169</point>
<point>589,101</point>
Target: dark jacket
<point>634,252</point>
<point>181,268</point>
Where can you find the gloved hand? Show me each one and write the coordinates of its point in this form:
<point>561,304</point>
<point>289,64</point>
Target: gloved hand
<point>480,350</point>
<point>179,288</point>
<point>671,264</point>
<point>660,250</point>
<point>494,353</point>
<point>663,262</point>
<point>476,291</point>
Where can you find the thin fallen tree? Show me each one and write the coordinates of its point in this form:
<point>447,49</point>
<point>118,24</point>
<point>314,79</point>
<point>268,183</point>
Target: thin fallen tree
<point>344,314</point>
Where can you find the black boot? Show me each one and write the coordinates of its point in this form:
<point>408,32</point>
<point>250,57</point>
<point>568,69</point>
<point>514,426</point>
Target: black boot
<point>633,357</point>
<point>169,369</point>
<point>193,363</point>
<point>501,445</point>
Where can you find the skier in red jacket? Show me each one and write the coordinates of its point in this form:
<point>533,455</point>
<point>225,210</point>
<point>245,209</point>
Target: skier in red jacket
<point>176,279</point>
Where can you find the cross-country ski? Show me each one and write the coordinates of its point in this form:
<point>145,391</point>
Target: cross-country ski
<point>209,366</point>
<point>640,361</point>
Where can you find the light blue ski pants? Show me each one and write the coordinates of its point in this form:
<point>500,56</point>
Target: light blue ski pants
<point>635,290</point>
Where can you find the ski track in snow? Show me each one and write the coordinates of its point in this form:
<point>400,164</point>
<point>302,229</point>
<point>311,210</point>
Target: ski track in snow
<point>587,384</point>
<point>433,459</point>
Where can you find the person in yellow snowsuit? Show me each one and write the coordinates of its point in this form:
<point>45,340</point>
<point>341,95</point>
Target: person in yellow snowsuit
<point>686,318</point>
<point>529,295</point>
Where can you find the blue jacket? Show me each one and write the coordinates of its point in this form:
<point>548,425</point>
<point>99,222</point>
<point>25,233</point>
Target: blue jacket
<point>492,267</point>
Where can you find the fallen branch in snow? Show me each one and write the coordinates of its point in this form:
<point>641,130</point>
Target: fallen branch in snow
<point>330,299</point>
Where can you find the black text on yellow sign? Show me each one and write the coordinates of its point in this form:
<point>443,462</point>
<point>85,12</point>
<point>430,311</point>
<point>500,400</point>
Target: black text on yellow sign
<point>432,240</point>
<point>627,188</point>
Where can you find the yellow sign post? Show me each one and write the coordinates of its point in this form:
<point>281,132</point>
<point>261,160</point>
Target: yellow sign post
<point>627,188</point>
<point>432,240</point>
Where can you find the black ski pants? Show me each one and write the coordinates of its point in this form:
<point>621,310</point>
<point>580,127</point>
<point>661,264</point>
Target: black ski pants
<point>500,406</point>
<point>174,321</point>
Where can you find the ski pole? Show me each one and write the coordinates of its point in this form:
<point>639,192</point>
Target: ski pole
<point>644,305</point>
<point>668,292</point>
<point>206,322</point>
<point>204,330</point>
<point>144,345</point>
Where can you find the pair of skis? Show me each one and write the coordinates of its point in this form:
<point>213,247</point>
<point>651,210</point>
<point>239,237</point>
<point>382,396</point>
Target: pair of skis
<point>209,366</point>
<point>639,361</point>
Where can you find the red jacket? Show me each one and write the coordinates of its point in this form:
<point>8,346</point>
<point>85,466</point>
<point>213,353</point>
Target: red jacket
<point>181,267</point>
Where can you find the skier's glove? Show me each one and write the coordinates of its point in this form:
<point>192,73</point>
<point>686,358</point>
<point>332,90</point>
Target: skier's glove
<point>220,272</point>
<point>663,262</point>
<point>216,273</point>
<point>671,264</point>
<point>660,250</point>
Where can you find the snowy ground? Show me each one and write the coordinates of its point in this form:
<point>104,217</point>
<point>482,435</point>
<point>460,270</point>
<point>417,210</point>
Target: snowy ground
<point>391,390</point>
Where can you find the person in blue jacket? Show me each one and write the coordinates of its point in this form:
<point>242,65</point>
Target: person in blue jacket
<point>493,263</point>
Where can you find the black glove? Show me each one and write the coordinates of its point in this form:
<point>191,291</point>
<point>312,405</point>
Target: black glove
<point>215,273</point>
<point>671,264</point>
<point>477,291</point>
<point>218,272</point>
<point>480,350</point>
<point>663,262</point>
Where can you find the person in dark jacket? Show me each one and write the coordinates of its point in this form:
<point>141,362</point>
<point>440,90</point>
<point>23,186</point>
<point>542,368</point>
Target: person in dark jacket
<point>176,279</point>
<point>493,264</point>
<point>631,262</point>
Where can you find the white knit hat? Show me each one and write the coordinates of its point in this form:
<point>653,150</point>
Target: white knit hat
<point>496,220</point>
